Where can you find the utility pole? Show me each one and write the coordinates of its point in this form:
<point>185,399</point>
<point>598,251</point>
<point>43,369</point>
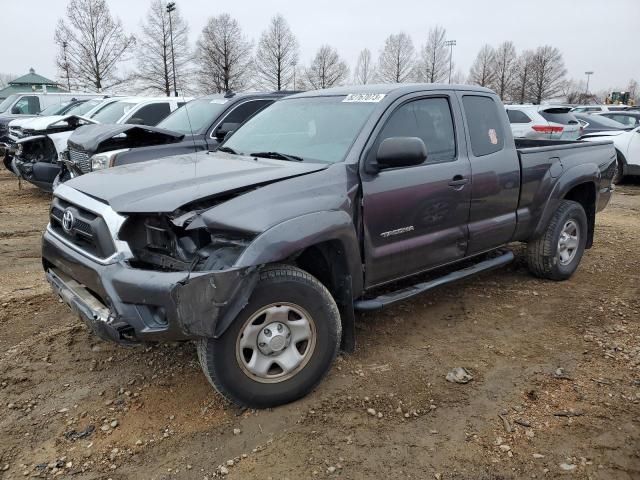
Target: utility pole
<point>65,44</point>
<point>451,44</point>
<point>171,6</point>
<point>588,74</point>
<point>295,68</point>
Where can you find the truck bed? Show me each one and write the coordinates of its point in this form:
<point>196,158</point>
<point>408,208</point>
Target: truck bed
<point>543,161</point>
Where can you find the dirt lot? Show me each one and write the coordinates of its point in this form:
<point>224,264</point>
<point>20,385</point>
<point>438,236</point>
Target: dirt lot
<point>74,406</point>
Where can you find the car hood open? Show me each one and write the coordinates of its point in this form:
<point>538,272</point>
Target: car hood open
<point>100,138</point>
<point>164,185</point>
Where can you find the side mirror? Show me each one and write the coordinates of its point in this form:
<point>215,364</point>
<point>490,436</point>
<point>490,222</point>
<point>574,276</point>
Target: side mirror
<point>225,129</point>
<point>15,110</point>
<point>397,152</point>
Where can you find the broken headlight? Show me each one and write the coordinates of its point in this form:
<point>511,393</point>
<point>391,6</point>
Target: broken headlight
<point>159,244</point>
<point>100,161</point>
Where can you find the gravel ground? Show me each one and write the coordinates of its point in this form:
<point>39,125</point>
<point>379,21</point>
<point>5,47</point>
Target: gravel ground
<point>555,389</point>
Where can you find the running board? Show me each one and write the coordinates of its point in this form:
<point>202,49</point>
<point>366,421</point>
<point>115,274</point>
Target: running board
<point>387,299</point>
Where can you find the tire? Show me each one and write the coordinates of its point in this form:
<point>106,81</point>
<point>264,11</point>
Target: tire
<point>618,173</point>
<point>289,297</point>
<point>546,257</point>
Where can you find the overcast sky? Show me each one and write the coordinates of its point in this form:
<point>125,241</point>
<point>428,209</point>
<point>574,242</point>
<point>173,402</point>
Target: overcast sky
<point>597,35</point>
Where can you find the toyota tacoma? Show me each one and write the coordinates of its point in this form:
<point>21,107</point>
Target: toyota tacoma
<point>326,203</point>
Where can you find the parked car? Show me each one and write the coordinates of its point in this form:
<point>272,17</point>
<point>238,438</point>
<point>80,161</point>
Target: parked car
<point>543,121</point>
<point>261,251</point>
<point>20,105</point>
<point>37,159</point>
<point>629,118</point>
<point>599,108</point>
<point>627,144</point>
<point>592,123</point>
<point>200,125</point>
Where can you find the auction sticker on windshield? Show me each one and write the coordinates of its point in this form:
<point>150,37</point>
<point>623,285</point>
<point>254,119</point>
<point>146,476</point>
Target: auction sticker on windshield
<point>364,97</point>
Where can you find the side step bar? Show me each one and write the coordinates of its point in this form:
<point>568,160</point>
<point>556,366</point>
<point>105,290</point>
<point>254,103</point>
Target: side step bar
<point>387,299</point>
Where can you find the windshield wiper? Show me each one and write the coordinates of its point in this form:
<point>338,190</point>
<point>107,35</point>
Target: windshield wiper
<point>278,156</point>
<point>227,150</point>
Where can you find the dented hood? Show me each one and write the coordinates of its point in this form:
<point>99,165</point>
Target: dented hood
<point>94,138</point>
<point>167,184</point>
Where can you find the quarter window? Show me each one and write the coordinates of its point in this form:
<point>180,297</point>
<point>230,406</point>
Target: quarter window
<point>516,116</point>
<point>485,125</point>
<point>429,119</point>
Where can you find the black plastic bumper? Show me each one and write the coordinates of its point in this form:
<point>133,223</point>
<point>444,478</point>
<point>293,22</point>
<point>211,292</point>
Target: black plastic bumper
<point>145,305</point>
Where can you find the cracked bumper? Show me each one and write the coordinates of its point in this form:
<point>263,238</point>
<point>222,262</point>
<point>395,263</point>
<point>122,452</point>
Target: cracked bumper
<point>130,305</point>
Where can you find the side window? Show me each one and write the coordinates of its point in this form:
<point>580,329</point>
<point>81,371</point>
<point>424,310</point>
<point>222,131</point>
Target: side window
<point>624,119</point>
<point>516,116</point>
<point>245,110</point>
<point>152,114</point>
<point>429,119</point>
<point>27,105</point>
<point>485,124</point>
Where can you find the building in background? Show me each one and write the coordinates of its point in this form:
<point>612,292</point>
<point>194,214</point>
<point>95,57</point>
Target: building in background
<point>31,82</point>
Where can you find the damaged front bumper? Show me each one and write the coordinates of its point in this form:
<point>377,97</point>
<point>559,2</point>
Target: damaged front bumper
<point>130,305</point>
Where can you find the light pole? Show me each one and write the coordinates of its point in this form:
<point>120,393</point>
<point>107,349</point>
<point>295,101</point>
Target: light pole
<point>171,6</point>
<point>588,74</point>
<point>451,44</point>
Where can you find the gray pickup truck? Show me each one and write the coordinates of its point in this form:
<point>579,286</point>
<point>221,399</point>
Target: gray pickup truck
<point>325,203</point>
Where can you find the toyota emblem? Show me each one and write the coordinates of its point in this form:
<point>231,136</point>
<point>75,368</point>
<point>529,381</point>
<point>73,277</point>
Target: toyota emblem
<point>68,221</point>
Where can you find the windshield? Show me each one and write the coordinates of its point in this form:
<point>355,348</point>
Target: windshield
<point>6,103</point>
<point>313,128</point>
<point>113,112</point>
<point>84,107</point>
<point>194,117</point>
<point>55,109</point>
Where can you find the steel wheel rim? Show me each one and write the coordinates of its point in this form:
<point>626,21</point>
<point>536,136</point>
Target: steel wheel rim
<point>568,242</point>
<point>281,355</point>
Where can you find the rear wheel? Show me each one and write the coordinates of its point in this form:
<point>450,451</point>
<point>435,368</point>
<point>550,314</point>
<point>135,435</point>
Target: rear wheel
<point>556,254</point>
<point>280,346</point>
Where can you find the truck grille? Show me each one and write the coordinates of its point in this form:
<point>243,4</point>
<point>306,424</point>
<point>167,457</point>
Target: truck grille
<point>88,231</point>
<point>81,159</point>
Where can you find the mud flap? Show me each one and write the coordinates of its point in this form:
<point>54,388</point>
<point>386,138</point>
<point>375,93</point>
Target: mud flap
<point>207,304</point>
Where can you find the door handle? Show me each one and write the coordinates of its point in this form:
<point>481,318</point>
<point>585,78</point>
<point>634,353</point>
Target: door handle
<point>458,181</point>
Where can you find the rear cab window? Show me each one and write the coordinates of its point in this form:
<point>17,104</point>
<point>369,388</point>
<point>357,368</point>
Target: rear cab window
<point>484,123</point>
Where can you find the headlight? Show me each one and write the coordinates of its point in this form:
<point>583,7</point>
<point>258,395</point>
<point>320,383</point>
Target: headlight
<point>100,161</point>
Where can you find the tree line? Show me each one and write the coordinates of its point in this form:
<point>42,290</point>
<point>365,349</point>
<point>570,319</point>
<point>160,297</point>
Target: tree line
<point>93,46</point>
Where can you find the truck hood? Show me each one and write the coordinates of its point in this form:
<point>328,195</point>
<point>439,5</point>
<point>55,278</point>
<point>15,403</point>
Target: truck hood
<point>100,138</point>
<point>164,185</point>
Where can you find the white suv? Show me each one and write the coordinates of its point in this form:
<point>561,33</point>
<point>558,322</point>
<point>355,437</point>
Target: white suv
<point>543,122</point>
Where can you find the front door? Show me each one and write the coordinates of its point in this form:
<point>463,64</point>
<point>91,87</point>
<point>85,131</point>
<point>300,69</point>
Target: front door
<point>415,218</point>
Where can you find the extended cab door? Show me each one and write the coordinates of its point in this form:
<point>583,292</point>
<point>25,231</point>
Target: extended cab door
<point>415,218</point>
<point>495,172</point>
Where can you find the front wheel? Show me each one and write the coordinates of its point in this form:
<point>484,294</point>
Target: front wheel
<point>280,346</point>
<point>556,254</point>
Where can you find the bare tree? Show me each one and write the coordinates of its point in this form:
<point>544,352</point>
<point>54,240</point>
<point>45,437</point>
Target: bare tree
<point>482,71</point>
<point>95,43</point>
<point>547,74</point>
<point>397,59</point>
<point>327,69</point>
<point>434,62</point>
<point>364,72</point>
<point>224,55</point>
<point>5,78</point>
<point>522,77</point>
<point>504,69</point>
<point>634,93</point>
<point>155,59</point>
<point>277,55</point>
